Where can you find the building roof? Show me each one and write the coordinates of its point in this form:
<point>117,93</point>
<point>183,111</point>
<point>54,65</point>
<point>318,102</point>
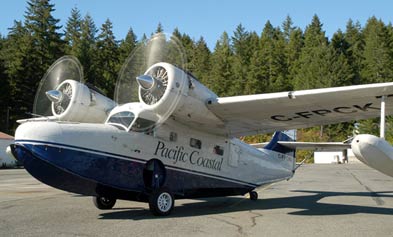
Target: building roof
<point>4,136</point>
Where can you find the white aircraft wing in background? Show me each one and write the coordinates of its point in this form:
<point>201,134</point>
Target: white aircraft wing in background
<point>263,113</point>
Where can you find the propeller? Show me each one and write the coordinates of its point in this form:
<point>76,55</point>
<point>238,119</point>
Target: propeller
<point>67,67</point>
<point>161,47</point>
<point>141,79</point>
<point>61,93</point>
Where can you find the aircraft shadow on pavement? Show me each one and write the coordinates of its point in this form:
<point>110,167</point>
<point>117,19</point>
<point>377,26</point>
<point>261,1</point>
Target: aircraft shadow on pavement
<point>308,204</point>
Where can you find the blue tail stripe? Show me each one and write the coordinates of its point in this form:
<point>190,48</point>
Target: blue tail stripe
<point>273,145</point>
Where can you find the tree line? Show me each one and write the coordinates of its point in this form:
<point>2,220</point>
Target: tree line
<point>279,58</point>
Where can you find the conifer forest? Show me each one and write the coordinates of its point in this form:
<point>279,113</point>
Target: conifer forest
<point>278,58</point>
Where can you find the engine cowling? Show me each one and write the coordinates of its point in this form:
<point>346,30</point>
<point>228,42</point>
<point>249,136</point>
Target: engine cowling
<point>75,102</point>
<point>166,91</point>
<point>171,92</point>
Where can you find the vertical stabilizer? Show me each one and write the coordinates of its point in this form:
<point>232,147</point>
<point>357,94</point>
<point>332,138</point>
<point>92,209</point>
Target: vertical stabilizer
<point>288,135</point>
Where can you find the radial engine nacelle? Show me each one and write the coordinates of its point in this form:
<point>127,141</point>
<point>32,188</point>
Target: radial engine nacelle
<point>166,90</point>
<point>375,152</point>
<point>75,102</point>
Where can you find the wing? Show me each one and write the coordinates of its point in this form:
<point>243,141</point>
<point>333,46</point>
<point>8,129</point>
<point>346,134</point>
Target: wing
<point>318,146</point>
<point>263,113</point>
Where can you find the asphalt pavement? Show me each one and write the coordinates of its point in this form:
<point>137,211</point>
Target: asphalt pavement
<point>321,200</point>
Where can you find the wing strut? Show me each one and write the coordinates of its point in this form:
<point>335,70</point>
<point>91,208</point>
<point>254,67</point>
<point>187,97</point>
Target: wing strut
<point>382,126</point>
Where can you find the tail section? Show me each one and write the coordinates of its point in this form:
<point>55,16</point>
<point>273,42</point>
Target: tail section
<point>289,135</point>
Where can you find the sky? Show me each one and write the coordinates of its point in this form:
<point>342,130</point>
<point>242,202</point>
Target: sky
<point>207,18</point>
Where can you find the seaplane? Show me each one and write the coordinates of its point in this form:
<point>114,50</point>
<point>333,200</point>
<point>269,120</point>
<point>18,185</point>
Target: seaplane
<point>165,136</point>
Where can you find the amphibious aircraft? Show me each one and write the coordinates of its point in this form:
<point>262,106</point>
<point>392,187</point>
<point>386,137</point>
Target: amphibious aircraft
<point>165,136</point>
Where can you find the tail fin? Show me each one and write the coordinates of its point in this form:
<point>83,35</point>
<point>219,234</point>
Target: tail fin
<point>289,135</point>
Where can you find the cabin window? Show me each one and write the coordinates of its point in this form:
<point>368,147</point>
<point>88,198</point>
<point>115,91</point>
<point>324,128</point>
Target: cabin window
<point>196,143</point>
<point>173,136</point>
<point>122,119</point>
<point>218,150</point>
<point>142,125</point>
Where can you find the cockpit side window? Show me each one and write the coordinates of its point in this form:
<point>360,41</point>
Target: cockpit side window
<point>122,119</point>
<point>142,125</point>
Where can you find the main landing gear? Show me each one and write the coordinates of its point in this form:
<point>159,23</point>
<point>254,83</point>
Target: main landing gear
<point>161,202</point>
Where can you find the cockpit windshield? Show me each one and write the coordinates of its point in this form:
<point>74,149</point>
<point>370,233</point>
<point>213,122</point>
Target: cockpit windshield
<point>122,119</point>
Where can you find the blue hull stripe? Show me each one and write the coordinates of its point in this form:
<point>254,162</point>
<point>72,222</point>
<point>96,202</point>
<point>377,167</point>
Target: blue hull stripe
<point>137,160</point>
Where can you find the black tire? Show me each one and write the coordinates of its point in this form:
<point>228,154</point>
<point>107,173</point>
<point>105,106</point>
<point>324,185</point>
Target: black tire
<point>253,195</point>
<point>104,203</point>
<point>161,202</point>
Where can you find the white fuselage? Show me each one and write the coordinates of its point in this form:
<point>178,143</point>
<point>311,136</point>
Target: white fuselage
<point>217,158</point>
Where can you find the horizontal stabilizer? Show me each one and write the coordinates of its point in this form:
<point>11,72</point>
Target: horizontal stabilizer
<point>318,146</point>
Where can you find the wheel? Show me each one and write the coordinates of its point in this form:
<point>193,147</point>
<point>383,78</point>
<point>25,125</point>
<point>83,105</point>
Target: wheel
<point>104,203</point>
<point>161,202</point>
<point>253,195</point>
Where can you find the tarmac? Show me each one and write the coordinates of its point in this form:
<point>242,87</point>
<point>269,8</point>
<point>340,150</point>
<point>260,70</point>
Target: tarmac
<point>321,200</point>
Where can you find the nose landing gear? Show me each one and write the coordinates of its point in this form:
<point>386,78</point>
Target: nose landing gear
<point>253,196</point>
<point>104,203</point>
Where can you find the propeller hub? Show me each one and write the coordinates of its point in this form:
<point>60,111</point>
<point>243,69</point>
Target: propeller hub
<point>54,95</point>
<point>145,81</point>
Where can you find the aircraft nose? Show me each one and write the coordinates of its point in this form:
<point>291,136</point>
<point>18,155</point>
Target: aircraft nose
<point>38,131</point>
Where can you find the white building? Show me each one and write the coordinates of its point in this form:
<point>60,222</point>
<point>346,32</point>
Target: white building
<point>329,157</point>
<point>5,160</point>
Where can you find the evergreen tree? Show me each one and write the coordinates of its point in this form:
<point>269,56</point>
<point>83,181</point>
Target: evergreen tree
<point>259,72</point>
<point>278,78</point>
<point>127,45</point>
<point>341,73</point>
<point>272,52</point>
<point>222,72</point>
<point>377,54</point>
<point>390,35</point>
<point>159,28</point>
<point>73,33</point>
<point>88,55</point>
<point>288,28</point>
<point>377,66</point>
<point>42,27</point>
<point>293,52</point>
<point>19,68</point>
<point>313,69</point>
<point>240,43</point>
<point>241,58</point>
<point>186,46</point>
<point>4,91</point>
<point>256,81</point>
<point>108,59</point>
<point>353,36</point>
<point>41,46</point>
<point>201,66</point>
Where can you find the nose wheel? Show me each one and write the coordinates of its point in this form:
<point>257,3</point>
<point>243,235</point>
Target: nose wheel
<point>104,203</point>
<point>253,195</point>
